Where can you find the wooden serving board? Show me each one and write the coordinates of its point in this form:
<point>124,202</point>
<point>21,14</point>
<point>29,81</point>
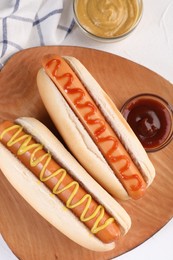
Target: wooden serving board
<point>26,232</point>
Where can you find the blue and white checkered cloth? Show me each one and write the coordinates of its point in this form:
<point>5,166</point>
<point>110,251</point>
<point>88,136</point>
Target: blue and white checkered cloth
<point>30,23</point>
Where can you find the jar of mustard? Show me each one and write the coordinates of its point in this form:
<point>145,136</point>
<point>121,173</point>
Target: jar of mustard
<point>107,20</point>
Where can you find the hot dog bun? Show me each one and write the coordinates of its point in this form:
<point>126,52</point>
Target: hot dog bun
<point>76,136</point>
<point>50,207</point>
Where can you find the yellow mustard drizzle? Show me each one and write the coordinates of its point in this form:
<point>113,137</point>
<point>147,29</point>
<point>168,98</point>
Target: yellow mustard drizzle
<point>33,162</point>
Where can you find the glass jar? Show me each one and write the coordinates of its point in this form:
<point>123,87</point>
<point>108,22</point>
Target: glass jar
<point>107,20</point>
<point>151,119</point>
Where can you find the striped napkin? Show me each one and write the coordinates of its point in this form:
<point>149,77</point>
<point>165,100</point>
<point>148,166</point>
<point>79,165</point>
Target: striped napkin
<point>25,24</point>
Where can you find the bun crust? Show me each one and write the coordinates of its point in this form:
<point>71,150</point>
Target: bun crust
<point>50,207</point>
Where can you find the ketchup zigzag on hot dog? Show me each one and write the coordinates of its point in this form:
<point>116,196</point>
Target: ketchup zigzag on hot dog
<point>93,128</point>
<point>38,167</point>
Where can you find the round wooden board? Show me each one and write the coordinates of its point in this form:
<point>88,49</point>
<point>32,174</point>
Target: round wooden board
<point>26,232</point>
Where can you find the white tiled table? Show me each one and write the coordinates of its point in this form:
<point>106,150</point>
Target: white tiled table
<point>151,45</point>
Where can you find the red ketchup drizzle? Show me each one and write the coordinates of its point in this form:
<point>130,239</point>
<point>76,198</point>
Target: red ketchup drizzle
<point>69,89</point>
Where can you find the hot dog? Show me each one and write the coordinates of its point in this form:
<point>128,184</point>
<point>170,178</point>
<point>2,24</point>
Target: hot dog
<point>37,165</point>
<point>93,128</point>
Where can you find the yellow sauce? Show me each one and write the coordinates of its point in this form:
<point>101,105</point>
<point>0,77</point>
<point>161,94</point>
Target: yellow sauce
<point>107,18</point>
<point>56,190</point>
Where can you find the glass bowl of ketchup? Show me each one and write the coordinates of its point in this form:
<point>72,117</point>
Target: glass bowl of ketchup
<point>151,118</point>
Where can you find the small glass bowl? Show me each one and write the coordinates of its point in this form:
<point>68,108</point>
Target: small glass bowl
<point>112,38</point>
<point>151,118</point>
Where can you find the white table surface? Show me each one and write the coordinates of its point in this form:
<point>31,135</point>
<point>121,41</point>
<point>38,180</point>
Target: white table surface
<point>150,45</point>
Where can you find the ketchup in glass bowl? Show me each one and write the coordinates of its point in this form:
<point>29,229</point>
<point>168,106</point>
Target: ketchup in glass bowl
<point>151,118</point>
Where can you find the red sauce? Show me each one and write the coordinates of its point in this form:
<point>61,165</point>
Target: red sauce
<point>150,119</point>
<point>91,117</point>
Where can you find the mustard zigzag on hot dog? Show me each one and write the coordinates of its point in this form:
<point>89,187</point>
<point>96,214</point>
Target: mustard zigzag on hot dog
<point>76,198</point>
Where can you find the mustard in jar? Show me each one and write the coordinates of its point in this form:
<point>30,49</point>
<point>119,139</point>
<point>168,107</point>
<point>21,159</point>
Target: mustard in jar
<point>107,18</point>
